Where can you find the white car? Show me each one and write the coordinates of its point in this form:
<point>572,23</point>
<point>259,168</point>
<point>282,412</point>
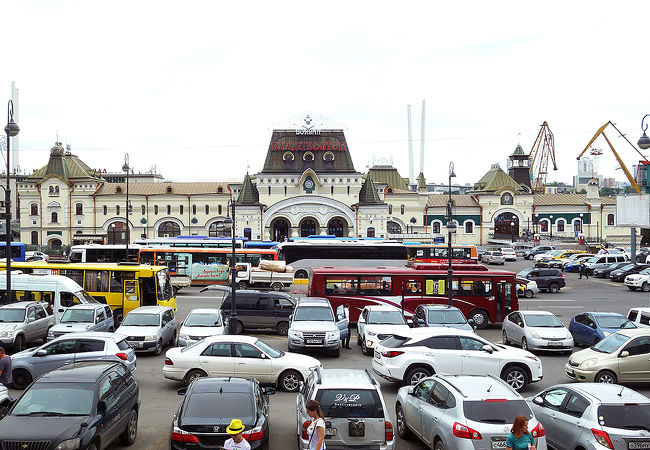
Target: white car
<point>37,256</point>
<point>149,328</point>
<point>376,323</point>
<point>238,356</point>
<point>639,280</point>
<point>537,330</point>
<point>528,290</point>
<point>199,324</point>
<point>550,254</point>
<point>413,356</point>
<point>509,254</point>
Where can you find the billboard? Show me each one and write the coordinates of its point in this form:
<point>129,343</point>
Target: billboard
<point>633,210</point>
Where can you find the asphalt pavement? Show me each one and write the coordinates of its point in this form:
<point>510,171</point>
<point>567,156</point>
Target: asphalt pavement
<point>160,399</point>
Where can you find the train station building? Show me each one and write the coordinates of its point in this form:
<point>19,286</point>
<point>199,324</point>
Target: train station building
<point>308,185</point>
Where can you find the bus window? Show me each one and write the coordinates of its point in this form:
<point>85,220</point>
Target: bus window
<point>68,300</point>
<point>419,253</point>
<point>148,291</point>
<point>164,286</point>
<point>117,279</point>
<point>147,258</point>
<point>473,287</point>
<point>97,281</point>
<point>461,253</point>
<point>439,252</point>
<point>369,285</point>
<point>75,275</point>
<point>341,286</point>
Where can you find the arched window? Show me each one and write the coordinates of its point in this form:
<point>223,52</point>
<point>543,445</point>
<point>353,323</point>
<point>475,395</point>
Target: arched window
<point>116,233</point>
<point>560,225</point>
<point>401,209</point>
<point>143,210</point>
<point>207,209</point>
<point>469,227</point>
<point>543,226</point>
<point>308,156</point>
<point>219,209</point>
<point>169,229</point>
<point>34,237</point>
<point>390,209</point>
<point>217,229</point>
<point>194,210</point>
<point>287,157</point>
<point>155,209</point>
<point>577,225</point>
<point>507,199</point>
<point>335,227</point>
<point>33,209</point>
<point>79,209</point>
<point>435,227</point>
<point>169,210</point>
<point>180,209</point>
<point>51,190</point>
<point>117,210</point>
<point>105,209</point>
<point>370,232</point>
<point>610,219</point>
<point>55,217</point>
<point>307,228</point>
<point>393,227</point>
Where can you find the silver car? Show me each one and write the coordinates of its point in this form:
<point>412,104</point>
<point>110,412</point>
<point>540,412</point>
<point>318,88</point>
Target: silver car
<point>593,416</point>
<point>84,317</point>
<point>201,323</point>
<point>464,412</point>
<point>24,322</point>
<point>493,258</point>
<point>31,364</point>
<point>149,328</point>
<point>537,330</point>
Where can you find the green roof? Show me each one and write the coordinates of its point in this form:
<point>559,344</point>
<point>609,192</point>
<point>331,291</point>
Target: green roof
<point>422,183</point>
<point>519,150</point>
<point>496,179</point>
<point>387,175</point>
<point>66,165</point>
<point>368,194</point>
<point>248,195</point>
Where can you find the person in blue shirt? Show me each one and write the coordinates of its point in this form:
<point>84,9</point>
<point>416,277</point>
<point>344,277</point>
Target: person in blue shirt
<point>519,437</point>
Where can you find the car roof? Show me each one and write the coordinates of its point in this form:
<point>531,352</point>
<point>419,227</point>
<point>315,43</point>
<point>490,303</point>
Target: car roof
<point>607,393</point>
<point>81,372</point>
<point>266,293</point>
<point>19,305</point>
<point>640,309</point>
<point>438,306</point>
<point>634,332</point>
<point>435,331</point>
<point>231,338</point>
<point>474,387</point>
<point>536,312</point>
<point>149,310</point>
<point>205,311</point>
<point>93,334</point>
<point>382,308</point>
<point>214,385</point>
<point>315,301</point>
<point>88,306</point>
<point>348,378</point>
<point>604,313</point>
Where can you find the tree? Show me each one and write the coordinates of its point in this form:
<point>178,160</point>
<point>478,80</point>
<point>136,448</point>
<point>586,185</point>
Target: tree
<point>607,191</point>
<point>629,190</point>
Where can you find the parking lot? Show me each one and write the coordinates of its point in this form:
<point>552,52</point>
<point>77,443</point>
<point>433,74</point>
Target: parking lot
<point>160,400</point>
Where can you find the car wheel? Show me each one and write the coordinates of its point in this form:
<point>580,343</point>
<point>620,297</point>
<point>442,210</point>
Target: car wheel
<point>277,286</point>
<point>528,293</point>
<point>290,381</point>
<point>159,346</point>
<point>301,274</point>
<point>505,338</point>
<point>131,431</point>
<point>365,350</point>
<point>439,445</point>
<point>193,375</point>
<point>403,430</point>
<point>606,376</point>
<point>22,378</point>
<point>19,344</point>
<point>480,318</point>
<point>645,287</point>
<point>524,343</point>
<point>239,327</point>
<point>516,377</point>
<point>242,285</point>
<point>415,375</point>
<point>554,288</point>
<point>118,315</point>
<point>282,328</point>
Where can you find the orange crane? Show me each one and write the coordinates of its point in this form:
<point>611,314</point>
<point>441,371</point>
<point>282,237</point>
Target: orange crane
<point>543,148</point>
<point>629,176</point>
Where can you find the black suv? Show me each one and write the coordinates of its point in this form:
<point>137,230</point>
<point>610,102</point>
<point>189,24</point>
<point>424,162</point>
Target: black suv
<point>257,309</point>
<point>547,279</point>
<point>80,406</point>
<point>209,406</point>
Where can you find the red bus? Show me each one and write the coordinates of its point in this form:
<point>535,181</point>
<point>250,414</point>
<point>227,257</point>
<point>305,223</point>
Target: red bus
<point>431,253</point>
<point>485,296</point>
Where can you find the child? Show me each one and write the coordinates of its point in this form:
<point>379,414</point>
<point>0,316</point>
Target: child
<point>237,441</point>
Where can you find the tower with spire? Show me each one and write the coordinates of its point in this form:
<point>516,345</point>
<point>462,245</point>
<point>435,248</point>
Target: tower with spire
<point>519,166</point>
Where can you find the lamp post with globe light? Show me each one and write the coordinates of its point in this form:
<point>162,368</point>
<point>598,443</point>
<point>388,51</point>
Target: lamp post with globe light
<point>226,224</point>
<point>125,169</point>
<point>451,228</point>
<point>644,140</point>
<point>11,130</point>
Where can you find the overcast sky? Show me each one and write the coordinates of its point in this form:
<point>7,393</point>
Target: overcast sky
<point>196,87</point>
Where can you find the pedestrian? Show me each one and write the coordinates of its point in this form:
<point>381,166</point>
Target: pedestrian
<point>583,270</point>
<point>519,437</point>
<point>316,429</point>
<point>5,369</point>
<point>346,340</point>
<point>237,441</point>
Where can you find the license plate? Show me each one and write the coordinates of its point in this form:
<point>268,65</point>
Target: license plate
<point>135,344</point>
<point>498,443</point>
<point>635,445</point>
<point>555,344</point>
<point>314,341</point>
<point>332,432</point>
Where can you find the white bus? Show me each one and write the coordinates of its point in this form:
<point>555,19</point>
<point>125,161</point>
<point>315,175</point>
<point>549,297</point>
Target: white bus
<point>191,241</point>
<point>103,253</point>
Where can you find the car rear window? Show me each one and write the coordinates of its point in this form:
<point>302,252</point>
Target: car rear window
<point>629,416</point>
<point>123,345</point>
<point>495,410</point>
<point>211,405</point>
<point>395,341</point>
<point>344,403</point>
<point>497,254</point>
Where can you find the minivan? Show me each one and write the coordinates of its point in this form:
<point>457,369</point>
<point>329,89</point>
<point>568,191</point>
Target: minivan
<point>639,316</point>
<point>257,309</point>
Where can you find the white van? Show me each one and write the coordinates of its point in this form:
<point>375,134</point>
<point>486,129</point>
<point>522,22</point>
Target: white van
<point>58,291</point>
<point>640,316</point>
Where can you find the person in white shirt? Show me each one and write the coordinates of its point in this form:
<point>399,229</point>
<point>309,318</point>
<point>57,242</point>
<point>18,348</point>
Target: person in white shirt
<point>346,341</point>
<point>237,441</point>
<point>316,429</point>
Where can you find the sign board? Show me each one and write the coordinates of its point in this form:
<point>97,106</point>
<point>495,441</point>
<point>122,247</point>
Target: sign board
<point>439,240</point>
<point>633,210</point>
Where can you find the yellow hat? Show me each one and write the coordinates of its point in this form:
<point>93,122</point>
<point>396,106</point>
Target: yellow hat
<point>235,427</point>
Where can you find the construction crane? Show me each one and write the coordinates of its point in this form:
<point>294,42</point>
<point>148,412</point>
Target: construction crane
<point>630,177</point>
<point>543,148</point>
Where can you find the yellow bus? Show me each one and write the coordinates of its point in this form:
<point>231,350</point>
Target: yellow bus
<point>122,286</point>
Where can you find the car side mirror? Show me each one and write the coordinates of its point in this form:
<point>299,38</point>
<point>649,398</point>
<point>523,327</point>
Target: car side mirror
<point>101,406</point>
<point>538,401</point>
<point>182,391</point>
<point>487,348</point>
<point>268,390</point>
<point>181,324</point>
<point>410,390</point>
<point>624,354</point>
<point>471,323</point>
<point>263,355</point>
<point>98,319</point>
<point>290,316</point>
<point>41,353</point>
<point>301,386</point>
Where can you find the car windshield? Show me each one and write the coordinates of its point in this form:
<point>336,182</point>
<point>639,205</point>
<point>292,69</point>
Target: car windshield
<point>215,406</point>
<point>14,315</point>
<point>487,411</point>
<point>623,416</point>
<point>543,320</point>
<point>524,273</point>
<point>451,316</point>
<point>203,320</point>
<point>141,320</point>
<point>619,322</point>
<point>72,315</point>
<point>350,403</point>
<point>318,313</point>
<point>611,343</point>
<point>56,399</point>
<point>85,297</point>
<point>386,318</point>
<point>273,353</point>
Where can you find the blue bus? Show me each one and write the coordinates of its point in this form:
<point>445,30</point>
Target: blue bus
<point>17,251</point>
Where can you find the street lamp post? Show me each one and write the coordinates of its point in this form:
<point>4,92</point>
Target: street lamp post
<point>451,228</point>
<point>11,130</point>
<point>644,140</point>
<point>550,226</point>
<point>230,223</point>
<point>126,169</point>
<point>512,230</point>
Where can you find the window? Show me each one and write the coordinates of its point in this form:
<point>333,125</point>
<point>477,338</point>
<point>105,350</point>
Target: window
<point>577,225</point>
<point>61,347</point>
<point>439,396</point>
<point>143,210</point>
<point>469,227</point>
<point>169,229</point>
<point>219,209</point>
<point>55,217</point>
<point>554,398</point>
<point>576,406</point>
<point>247,351</point>
<point>560,225</point>
<point>610,219</point>
<point>348,190</point>
<point>543,226</point>
<point>90,345</point>
<point>390,208</point>
<point>468,343</point>
<point>34,209</point>
<point>423,390</point>
<point>219,349</point>
<point>442,343</point>
<point>117,280</point>
<point>117,210</point>
<point>375,285</point>
<point>370,232</point>
<point>79,209</point>
<point>34,237</point>
<point>507,199</point>
<point>341,286</point>
<point>435,227</point>
<point>180,209</point>
<point>194,210</point>
<point>332,190</point>
<point>155,209</point>
<point>644,319</point>
<point>105,210</point>
<point>639,346</point>
<point>207,209</point>
<point>74,274</point>
<point>393,227</point>
<point>169,210</point>
<point>401,209</point>
<point>97,281</point>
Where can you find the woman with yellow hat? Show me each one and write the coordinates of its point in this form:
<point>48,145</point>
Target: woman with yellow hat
<point>237,441</point>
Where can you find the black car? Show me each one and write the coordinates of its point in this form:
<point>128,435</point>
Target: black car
<point>209,406</point>
<point>604,269</point>
<point>547,279</point>
<point>628,269</point>
<point>82,406</point>
<point>530,254</point>
<point>258,309</point>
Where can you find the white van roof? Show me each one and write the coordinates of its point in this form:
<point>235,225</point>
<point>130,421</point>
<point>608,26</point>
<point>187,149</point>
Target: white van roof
<point>24,281</point>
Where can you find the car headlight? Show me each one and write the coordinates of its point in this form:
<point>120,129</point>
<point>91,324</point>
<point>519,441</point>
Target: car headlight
<point>588,363</point>
<point>70,444</point>
<point>333,334</point>
<point>295,334</point>
<point>50,333</point>
<point>182,336</point>
<point>534,334</point>
<point>312,368</point>
<point>8,334</point>
<point>153,337</point>
<point>371,333</point>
